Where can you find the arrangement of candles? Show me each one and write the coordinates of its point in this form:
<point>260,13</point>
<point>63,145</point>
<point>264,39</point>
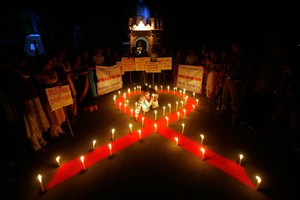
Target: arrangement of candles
<point>140,134</point>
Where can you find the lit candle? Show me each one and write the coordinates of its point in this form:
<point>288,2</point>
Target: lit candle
<point>136,116</point>
<point>202,138</point>
<point>82,161</point>
<point>125,107</point>
<point>184,110</point>
<point>113,134</point>
<point>176,105</point>
<point>114,98</point>
<point>143,121</point>
<point>155,128</point>
<point>156,87</point>
<point>140,133</point>
<point>178,115</point>
<point>176,140</point>
<point>258,181</point>
<point>197,101</point>
<point>203,151</point>
<point>241,157</point>
<point>128,91</point>
<point>120,105</point>
<point>167,118</point>
<point>155,115</point>
<point>182,130</point>
<point>169,108</point>
<point>131,112</point>
<point>168,89</point>
<point>124,96</point>
<point>136,103</point>
<point>161,87</point>
<point>193,95</point>
<point>130,128</point>
<point>41,182</point>
<point>193,107</point>
<point>57,160</point>
<point>180,92</point>
<point>186,98</point>
<point>110,148</point>
<point>181,104</point>
<point>94,143</point>
<point>119,92</point>
<point>134,89</point>
<point>164,110</point>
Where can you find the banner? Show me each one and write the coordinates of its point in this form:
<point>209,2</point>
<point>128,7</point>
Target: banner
<point>59,96</point>
<point>152,67</point>
<point>128,64</point>
<point>140,63</point>
<point>109,79</point>
<point>190,78</point>
<point>165,63</point>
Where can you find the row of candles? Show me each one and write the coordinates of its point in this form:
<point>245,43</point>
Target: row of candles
<point>202,150</point>
<point>182,92</point>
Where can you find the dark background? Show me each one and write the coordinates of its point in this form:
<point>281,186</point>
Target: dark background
<point>189,23</point>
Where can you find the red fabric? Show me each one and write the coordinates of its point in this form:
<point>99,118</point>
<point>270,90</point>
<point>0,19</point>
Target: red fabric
<point>75,166</point>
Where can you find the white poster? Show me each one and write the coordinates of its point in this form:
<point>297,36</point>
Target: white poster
<point>190,78</point>
<point>109,79</point>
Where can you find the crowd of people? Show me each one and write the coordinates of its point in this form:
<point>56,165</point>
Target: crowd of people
<point>261,94</point>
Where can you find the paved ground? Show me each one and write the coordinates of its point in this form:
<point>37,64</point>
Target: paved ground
<point>154,167</point>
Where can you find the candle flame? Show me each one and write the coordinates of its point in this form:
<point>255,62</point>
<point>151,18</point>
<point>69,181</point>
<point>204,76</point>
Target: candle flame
<point>40,178</point>
<point>82,159</point>
<point>258,179</point>
<point>57,159</point>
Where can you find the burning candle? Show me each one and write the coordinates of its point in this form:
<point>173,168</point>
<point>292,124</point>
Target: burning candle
<point>124,96</point>
<point>168,89</point>
<point>128,91</point>
<point>143,121</point>
<point>161,87</point>
<point>120,105</point>
<point>119,92</point>
<point>110,148</point>
<point>182,130</point>
<point>174,90</point>
<point>193,107</point>
<point>186,98</point>
<point>176,105</point>
<point>134,89</point>
<point>202,138</point>
<point>155,115</point>
<point>113,134</point>
<point>164,110</point>
<point>178,115</point>
<point>193,95</point>
<point>57,160</point>
<point>94,143</point>
<point>241,157</point>
<point>156,87</point>
<point>169,108</point>
<point>203,151</point>
<point>115,98</point>
<point>180,92</point>
<point>167,118</point>
<point>155,128</point>
<point>130,128</point>
<point>258,182</point>
<point>131,112</point>
<point>181,104</point>
<point>140,133</point>
<point>176,140</point>
<point>184,110</point>
<point>41,182</point>
<point>82,161</point>
<point>197,101</point>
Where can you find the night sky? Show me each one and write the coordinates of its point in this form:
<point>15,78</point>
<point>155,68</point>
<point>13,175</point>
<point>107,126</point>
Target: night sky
<point>189,23</point>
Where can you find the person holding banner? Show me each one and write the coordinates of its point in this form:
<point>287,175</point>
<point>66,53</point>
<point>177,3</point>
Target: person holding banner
<point>147,100</point>
<point>48,78</point>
